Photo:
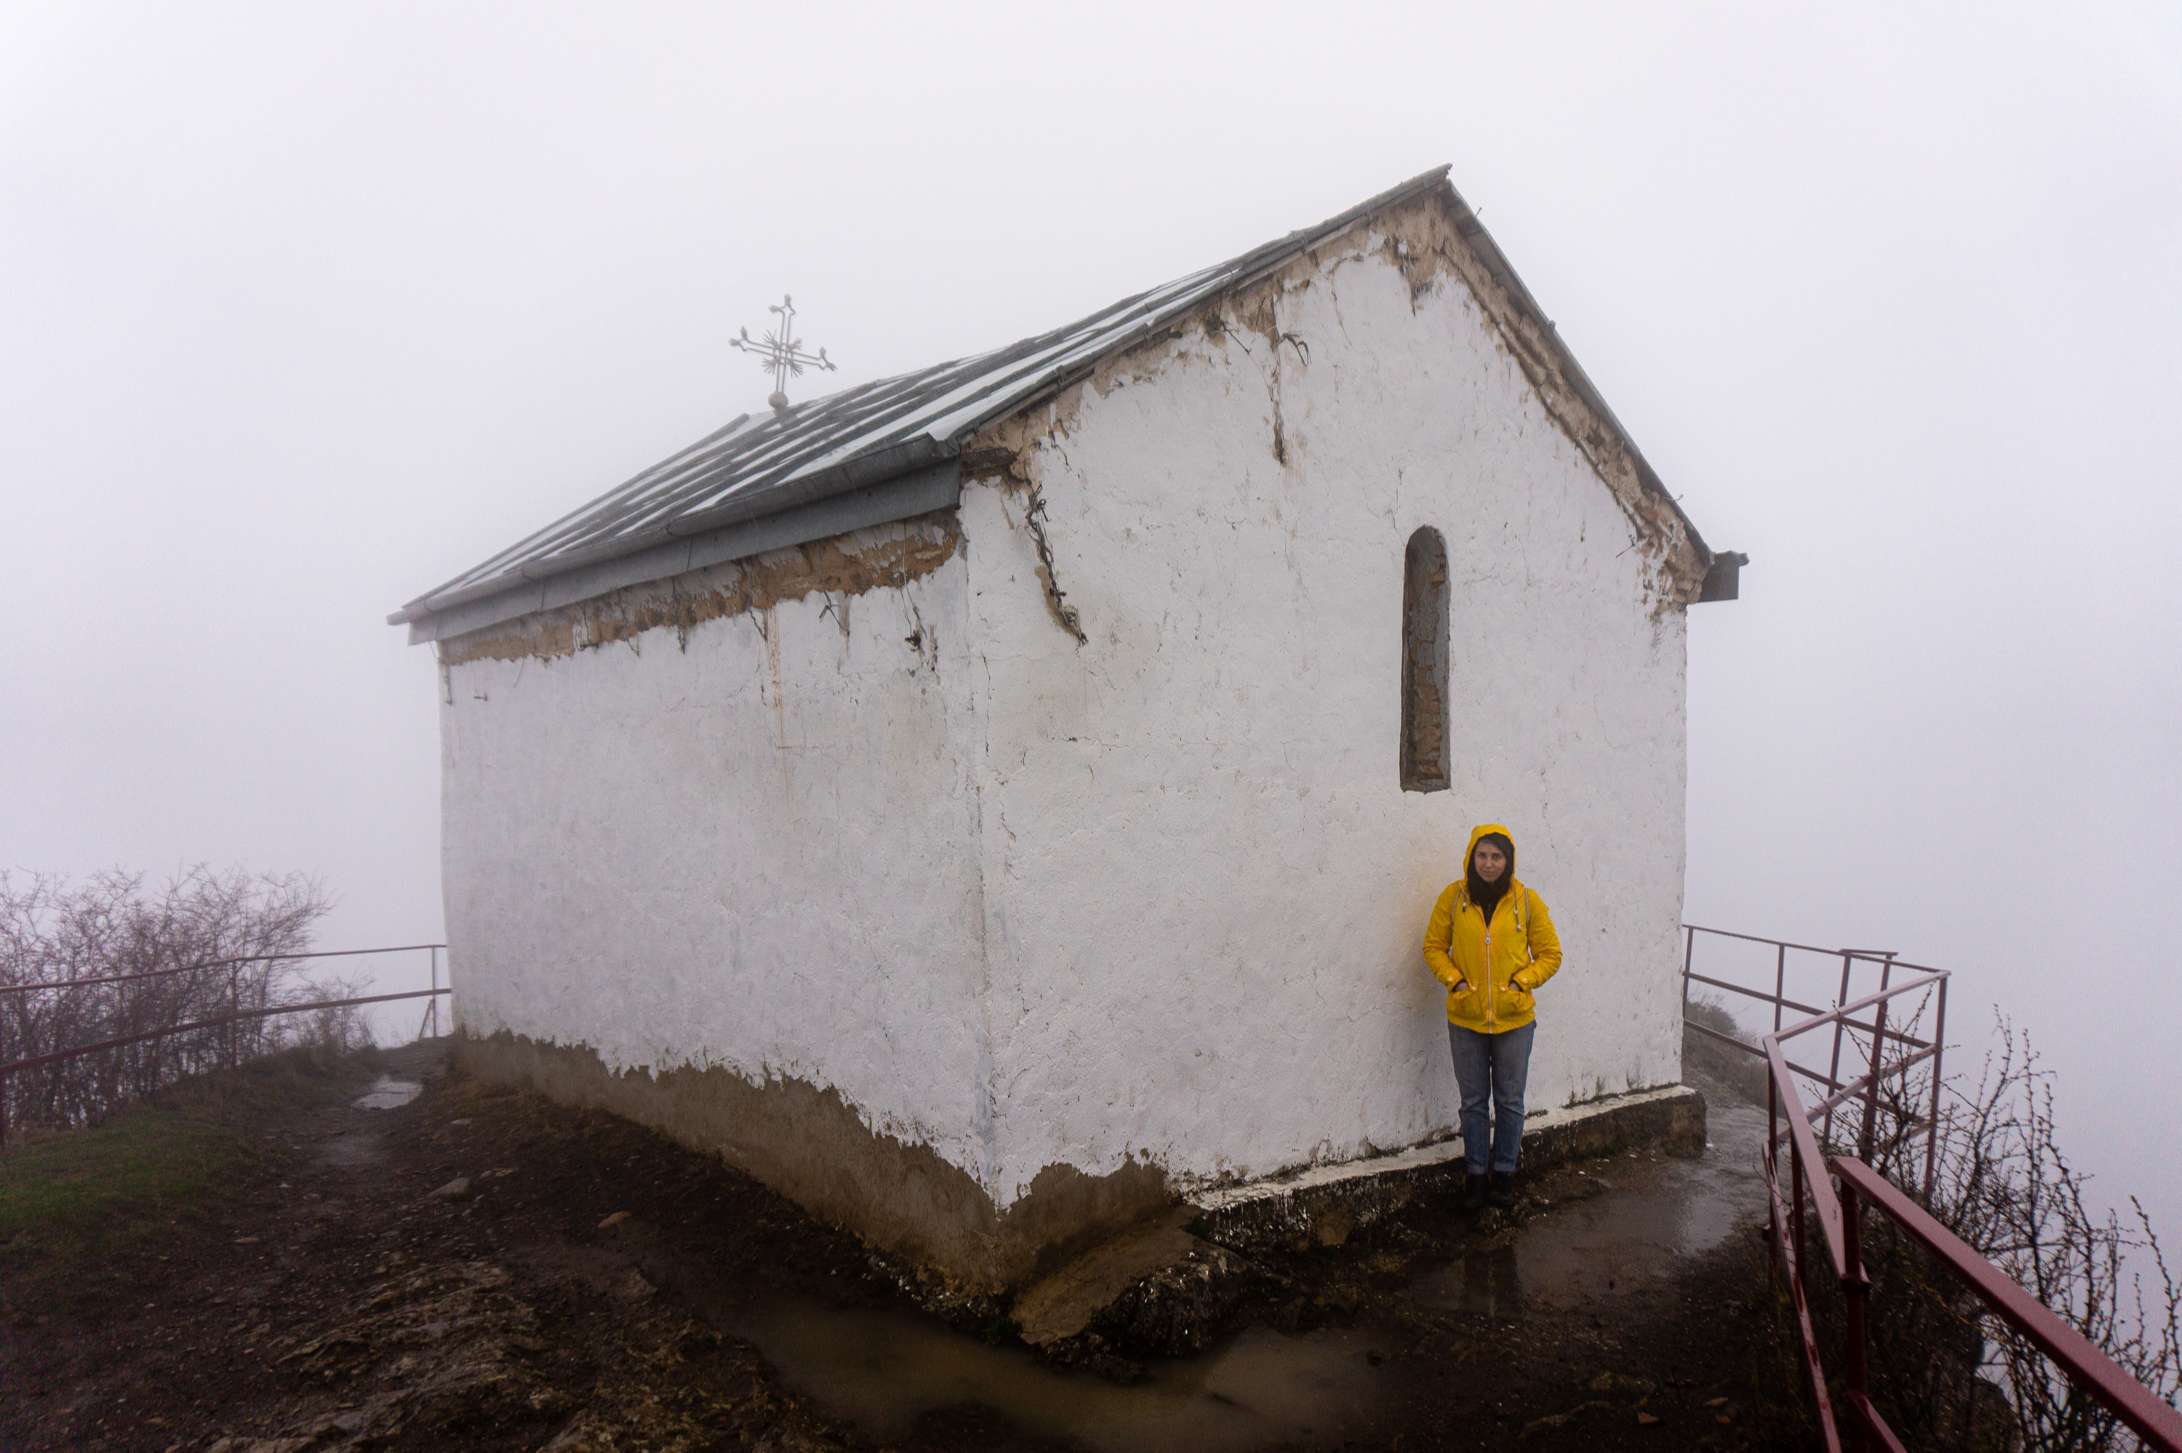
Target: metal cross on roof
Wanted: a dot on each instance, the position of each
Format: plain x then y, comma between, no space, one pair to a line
781,354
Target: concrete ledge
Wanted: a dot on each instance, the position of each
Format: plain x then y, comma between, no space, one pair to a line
1326,1204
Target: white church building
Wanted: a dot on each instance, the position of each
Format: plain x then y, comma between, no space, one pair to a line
991,802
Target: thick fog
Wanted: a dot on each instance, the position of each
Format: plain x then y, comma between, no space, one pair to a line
307,308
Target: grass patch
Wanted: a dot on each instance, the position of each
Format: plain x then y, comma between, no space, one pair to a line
77,1209
76,1203
148,1160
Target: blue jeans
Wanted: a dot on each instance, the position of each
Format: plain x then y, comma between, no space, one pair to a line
1491,1066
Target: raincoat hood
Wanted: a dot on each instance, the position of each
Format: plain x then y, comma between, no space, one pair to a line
1482,831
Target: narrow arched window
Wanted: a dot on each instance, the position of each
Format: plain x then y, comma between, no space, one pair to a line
1424,663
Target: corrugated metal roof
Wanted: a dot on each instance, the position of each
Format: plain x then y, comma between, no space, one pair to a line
760,465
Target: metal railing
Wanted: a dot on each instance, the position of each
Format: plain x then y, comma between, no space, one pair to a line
232,1021
1813,1173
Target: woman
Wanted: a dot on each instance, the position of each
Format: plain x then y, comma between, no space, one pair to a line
1491,942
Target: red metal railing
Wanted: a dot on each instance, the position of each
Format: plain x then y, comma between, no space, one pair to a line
233,964
1840,1212
230,1021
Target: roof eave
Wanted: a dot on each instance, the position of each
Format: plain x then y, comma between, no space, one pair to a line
877,467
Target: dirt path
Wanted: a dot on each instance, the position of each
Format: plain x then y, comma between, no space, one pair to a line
476,1268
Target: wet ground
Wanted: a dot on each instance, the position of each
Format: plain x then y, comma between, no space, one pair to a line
1631,1222
1589,1235
593,1286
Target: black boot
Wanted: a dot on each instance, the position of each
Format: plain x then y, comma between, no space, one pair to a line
1473,1192
1502,1193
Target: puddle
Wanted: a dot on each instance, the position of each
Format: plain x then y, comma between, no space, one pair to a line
1622,1240
388,1093
882,1369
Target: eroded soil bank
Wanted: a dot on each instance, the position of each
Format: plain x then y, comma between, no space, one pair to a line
478,1268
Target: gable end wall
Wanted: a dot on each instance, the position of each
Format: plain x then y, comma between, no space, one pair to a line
1205,888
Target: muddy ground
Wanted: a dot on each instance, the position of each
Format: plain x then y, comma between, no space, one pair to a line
477,1268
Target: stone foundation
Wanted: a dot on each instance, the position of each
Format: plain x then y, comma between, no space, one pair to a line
1325,1205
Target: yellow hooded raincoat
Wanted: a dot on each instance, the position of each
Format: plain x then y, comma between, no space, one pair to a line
1498,964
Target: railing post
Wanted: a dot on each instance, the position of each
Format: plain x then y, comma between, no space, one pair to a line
1833,1073
1855,1292
234,1014
1689,952
1869,1139
1795,1209
434,1001
1939,1063
1780,983
1772,1168
122,1081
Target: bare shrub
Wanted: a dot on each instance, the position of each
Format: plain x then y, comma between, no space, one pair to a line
234,935
1947,1372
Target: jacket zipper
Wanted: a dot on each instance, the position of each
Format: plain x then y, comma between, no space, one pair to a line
1490,1011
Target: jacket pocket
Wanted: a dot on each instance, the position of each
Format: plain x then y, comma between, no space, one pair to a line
1467,1003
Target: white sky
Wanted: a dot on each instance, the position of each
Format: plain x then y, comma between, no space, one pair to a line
308,307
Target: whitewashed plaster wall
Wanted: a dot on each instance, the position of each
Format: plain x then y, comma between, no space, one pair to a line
754,850
1159,895
1205,887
